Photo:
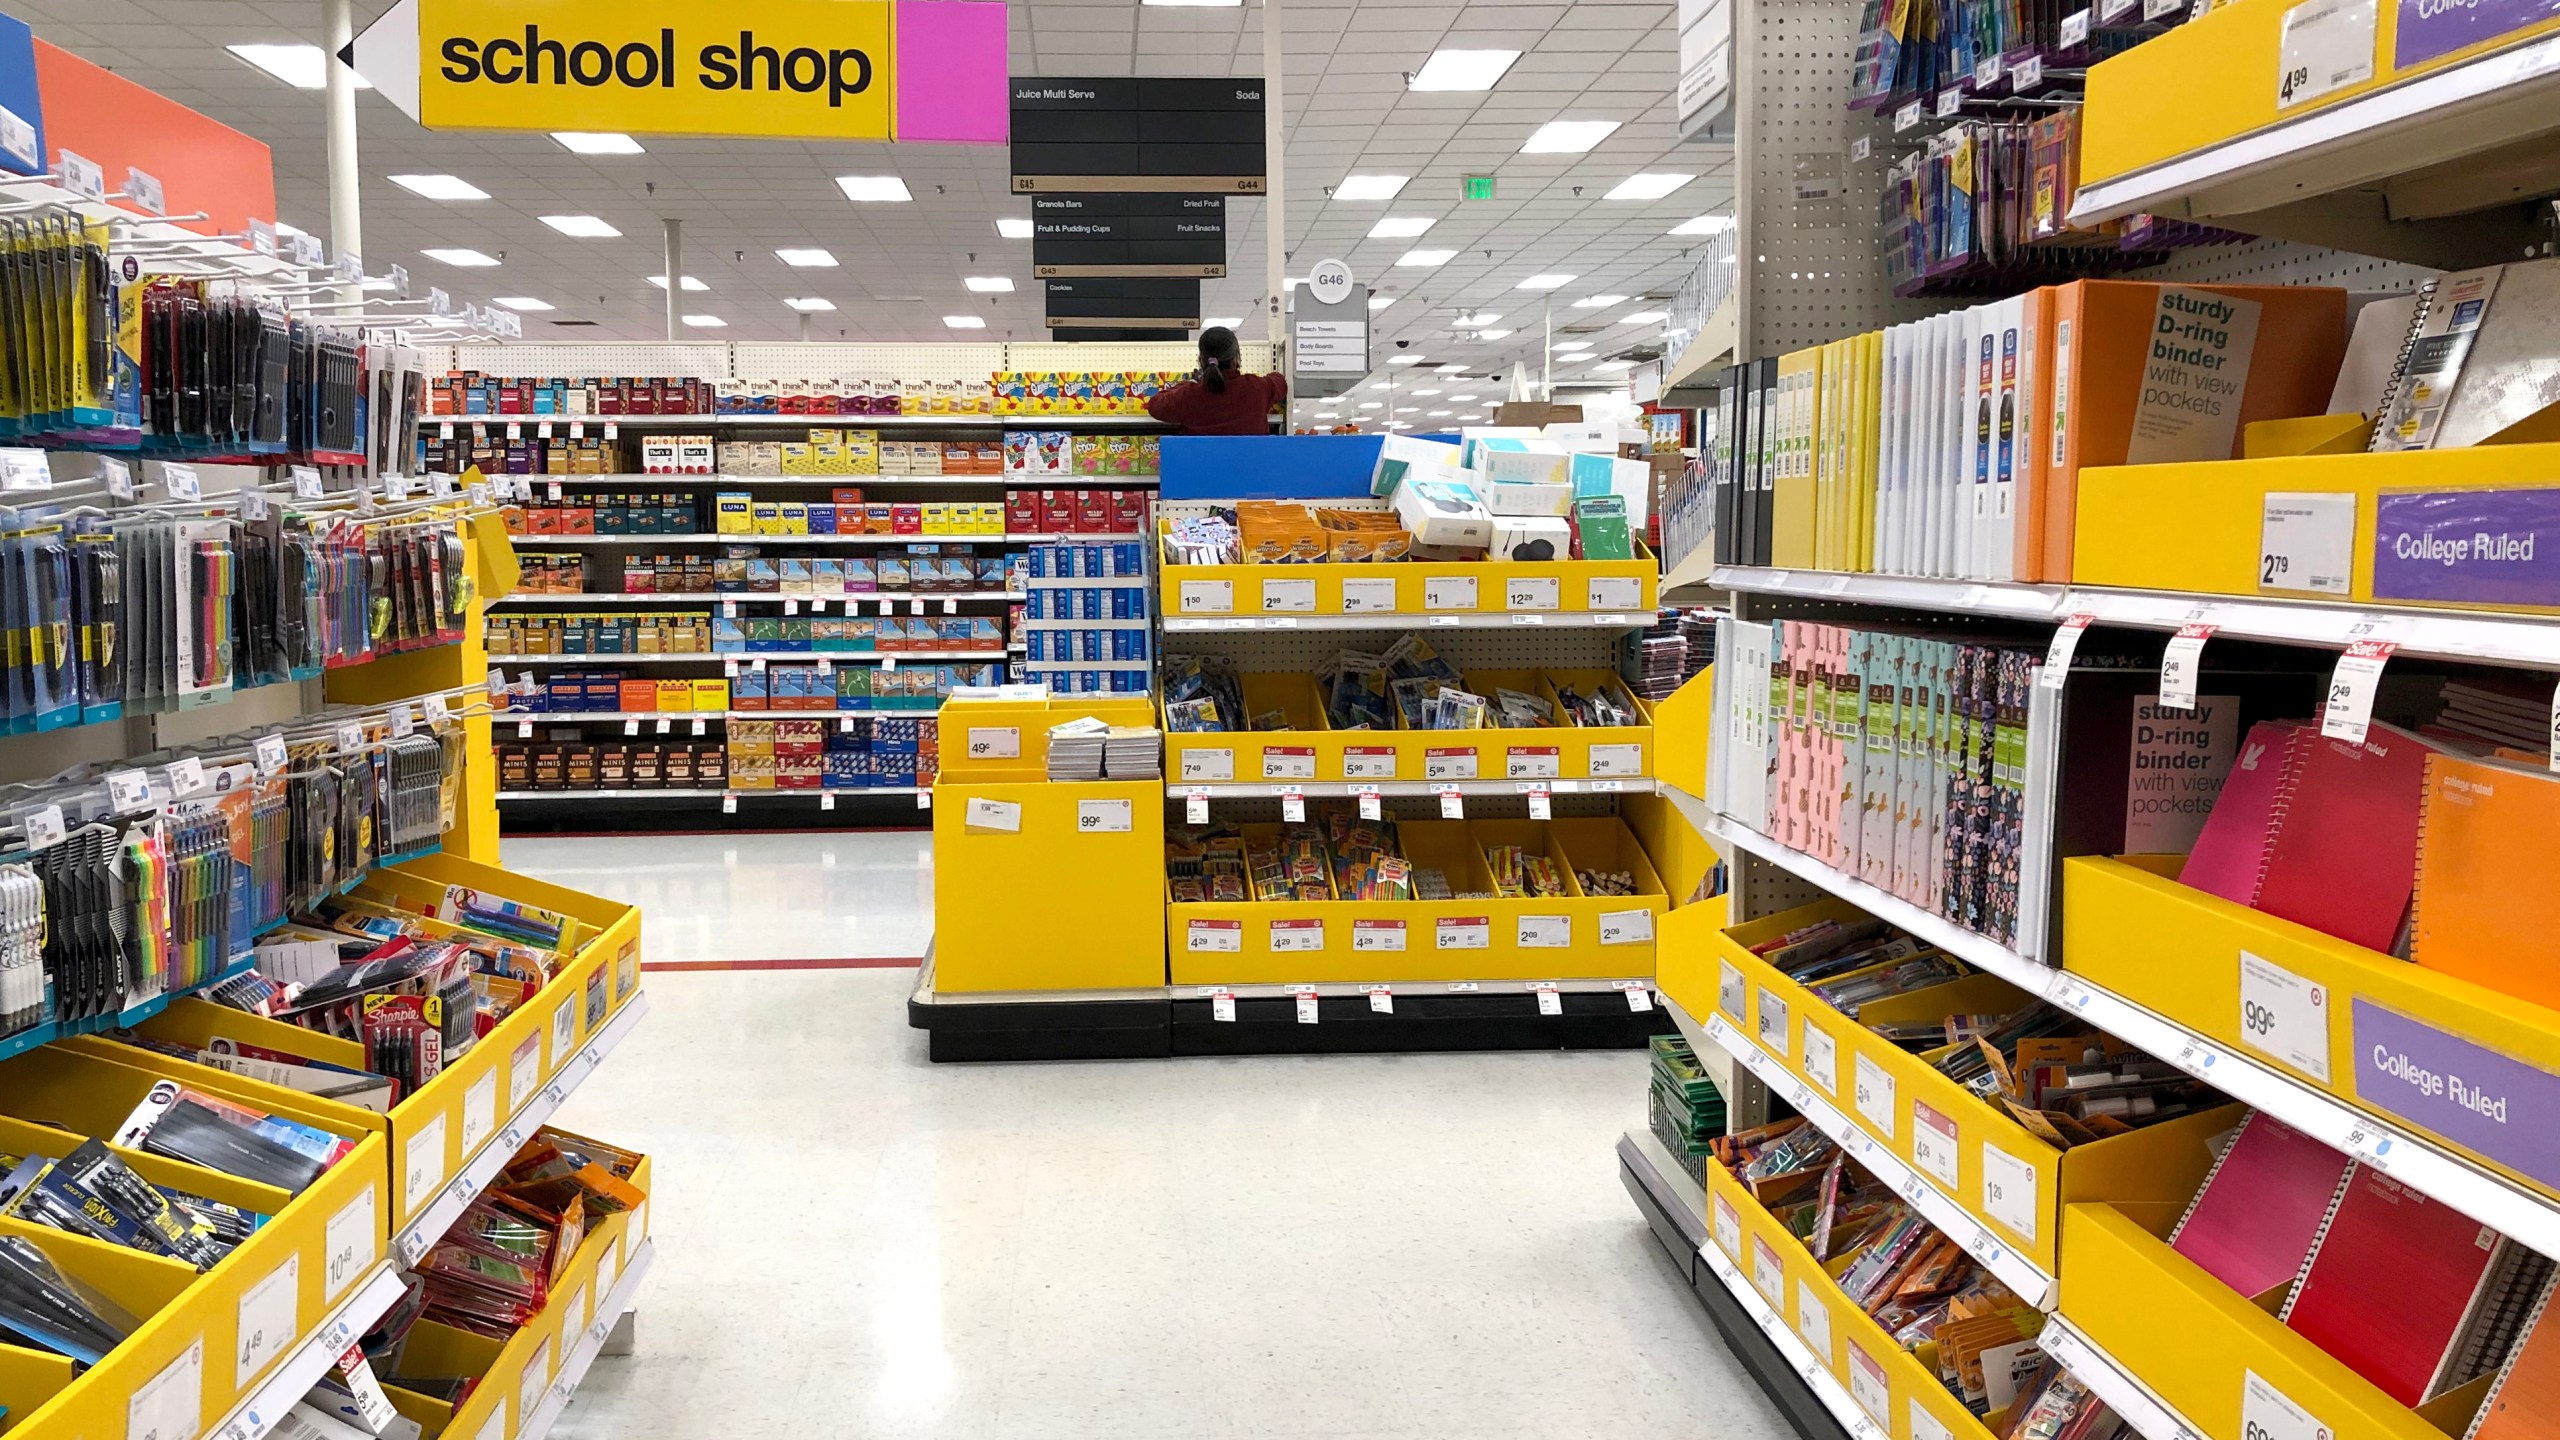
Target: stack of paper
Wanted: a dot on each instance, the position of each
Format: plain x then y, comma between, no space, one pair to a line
1133,752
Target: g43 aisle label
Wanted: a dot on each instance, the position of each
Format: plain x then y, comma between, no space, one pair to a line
804,69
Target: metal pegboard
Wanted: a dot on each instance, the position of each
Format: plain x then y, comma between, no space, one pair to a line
967,364
2284,262
678,361
1761,889
1813,270
1511,647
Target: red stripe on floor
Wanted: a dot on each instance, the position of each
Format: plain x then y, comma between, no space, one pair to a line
846,962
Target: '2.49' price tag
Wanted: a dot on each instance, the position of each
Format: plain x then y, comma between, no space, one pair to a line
2179,665
2348,713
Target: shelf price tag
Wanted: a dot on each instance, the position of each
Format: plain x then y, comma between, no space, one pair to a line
1453,805
1987,73
2179,664
1544,932
2306,543
186,777
1214,935
1539,592
2348,713
2285,1016
1950,103
2066,642
1382,1001
128,789
1288,596
2267,1413
1550,1000
1907,117
2555,729
2026,75
44,828
1540,808
1463,932
1207,597
1222,1004
119,477
1293,805
1859,149
1100,817
1626,927
1933,1144
1370,806
1377,935
1362,597
1449,592
182,482
1307,1014
1195,807
2075,29
2325,45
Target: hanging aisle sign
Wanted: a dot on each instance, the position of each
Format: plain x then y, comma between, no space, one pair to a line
790,69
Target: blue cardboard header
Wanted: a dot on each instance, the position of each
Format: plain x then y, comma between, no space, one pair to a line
1267,467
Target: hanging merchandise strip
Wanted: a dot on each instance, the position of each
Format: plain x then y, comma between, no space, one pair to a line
174,607
196,855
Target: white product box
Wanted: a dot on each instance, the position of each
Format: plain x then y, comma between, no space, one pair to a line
1441,513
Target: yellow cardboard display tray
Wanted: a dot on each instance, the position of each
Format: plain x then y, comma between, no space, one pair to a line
2369,1028
2003,1175
1900,1394
1008,740
207,1343
2197,526
1572,936
1011,858
1410,587
2218,1358
1310,750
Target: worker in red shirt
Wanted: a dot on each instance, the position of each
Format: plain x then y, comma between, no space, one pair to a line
1222,399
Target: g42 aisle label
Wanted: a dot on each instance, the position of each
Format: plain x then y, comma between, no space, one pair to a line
801,69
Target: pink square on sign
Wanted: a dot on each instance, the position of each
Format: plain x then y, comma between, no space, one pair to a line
952,72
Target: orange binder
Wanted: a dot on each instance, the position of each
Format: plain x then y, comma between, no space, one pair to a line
2106,336
2486,909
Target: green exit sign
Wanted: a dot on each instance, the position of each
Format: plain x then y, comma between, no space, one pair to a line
1479,187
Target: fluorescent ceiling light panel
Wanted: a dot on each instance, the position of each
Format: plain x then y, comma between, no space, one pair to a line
1426,259
1381,302
706,322
1462,399
868,189
1568,137
1545,282
965,322
1645,317
1369,405
596,142
1565,347
1452,369
304,67
1401,227
1219,4
1013,227
807,304
1439,414
1651,186
690,283
583,227
469,259
525,303
1596,302
811,259
990,284
1704,225
1230,321
1462,69
1369,187
440,187
1404,359
1422,390
1492,334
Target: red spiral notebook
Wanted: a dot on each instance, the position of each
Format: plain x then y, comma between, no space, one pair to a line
2409,1292
2344,856
2230,854
2252,1224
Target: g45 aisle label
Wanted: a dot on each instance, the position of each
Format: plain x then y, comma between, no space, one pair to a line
799,69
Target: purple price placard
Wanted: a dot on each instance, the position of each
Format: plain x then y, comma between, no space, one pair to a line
2489,1103
2429,28
2480,547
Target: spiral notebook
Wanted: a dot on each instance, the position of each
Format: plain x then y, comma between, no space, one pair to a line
2344,852
2483,353
2524,1402
2252,1224
2230,854
2409,1292
2486,910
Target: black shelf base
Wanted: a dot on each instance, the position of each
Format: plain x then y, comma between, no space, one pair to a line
1162,1028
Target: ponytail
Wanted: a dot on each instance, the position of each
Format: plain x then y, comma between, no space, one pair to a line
1218,355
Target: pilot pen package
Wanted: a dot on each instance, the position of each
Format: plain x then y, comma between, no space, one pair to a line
58,310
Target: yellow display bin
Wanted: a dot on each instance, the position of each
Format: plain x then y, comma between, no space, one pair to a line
1042,886
1410,587
1573,936
1008,740
2203,1348
2216,79
1309,750
2180,953
190,1361
1901,1395
2197,527
1997,1170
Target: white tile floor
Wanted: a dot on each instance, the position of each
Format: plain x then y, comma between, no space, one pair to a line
855,1242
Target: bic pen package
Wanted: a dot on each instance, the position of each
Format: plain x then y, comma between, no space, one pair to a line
90,1192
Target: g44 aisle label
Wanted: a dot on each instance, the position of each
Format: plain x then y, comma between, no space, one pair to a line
802,69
